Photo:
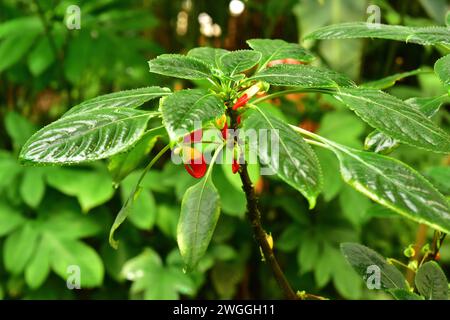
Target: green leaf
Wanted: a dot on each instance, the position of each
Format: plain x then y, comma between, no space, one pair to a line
431,281
92,188
354,205
351,30
442,69
184,109
200,210
152,280
303,76
10,219
238,61
122,164
32,187
440,177
402,294
18,128
276,49
292,160
38,269
394,185
21,26
41,57
389,81
179,66
13,48
68,252
210,56
395,118
308,254
143,212
361,258
87,136
378,142
123,99
18,248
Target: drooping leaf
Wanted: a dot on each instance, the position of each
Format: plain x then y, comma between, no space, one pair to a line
362,258
88,136
210,56
122,99
186,109
238,61
179,66
379,142
277,49
389,81
288,156
351,30
394,185
200,210
431,281
442,69
302,76
123,164
395,118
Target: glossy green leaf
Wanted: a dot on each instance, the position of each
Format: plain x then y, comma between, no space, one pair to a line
389,81
361,258
87,136
395,185
395,118
277,49
200,210
19,247
122,164
442,69
351,30
185,109
379,142
302,76
123,99
238,61
210,56
292,160
179,66
431,281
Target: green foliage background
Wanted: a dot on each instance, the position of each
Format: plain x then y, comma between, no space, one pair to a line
53,217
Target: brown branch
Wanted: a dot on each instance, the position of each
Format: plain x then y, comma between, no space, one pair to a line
255,220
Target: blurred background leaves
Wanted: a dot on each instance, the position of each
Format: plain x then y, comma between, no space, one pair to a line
53,217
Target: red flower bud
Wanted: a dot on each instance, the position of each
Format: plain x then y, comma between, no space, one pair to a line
225,131
235,166
194,136
238,119
194,162
242,101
